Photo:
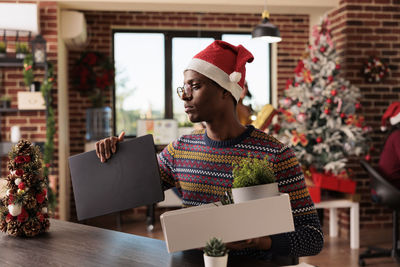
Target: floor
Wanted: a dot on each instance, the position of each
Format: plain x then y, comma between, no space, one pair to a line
336,251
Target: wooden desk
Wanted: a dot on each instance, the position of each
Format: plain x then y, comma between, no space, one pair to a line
72,244
333,205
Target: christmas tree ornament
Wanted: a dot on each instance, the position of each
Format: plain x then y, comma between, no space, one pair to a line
25,212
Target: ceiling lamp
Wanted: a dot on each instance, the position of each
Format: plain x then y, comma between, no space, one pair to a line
266,30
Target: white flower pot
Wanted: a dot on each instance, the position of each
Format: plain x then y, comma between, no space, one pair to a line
215,261
243,194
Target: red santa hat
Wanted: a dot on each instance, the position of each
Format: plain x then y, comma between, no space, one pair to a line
393,112
223,63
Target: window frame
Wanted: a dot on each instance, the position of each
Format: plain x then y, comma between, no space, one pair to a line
168,36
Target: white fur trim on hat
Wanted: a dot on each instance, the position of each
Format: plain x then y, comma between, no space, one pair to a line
235,76
395,119
216,74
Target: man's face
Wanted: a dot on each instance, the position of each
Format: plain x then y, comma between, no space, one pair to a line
204,101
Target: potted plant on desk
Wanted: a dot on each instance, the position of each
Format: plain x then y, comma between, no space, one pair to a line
5,102
3,49
215,253
252,179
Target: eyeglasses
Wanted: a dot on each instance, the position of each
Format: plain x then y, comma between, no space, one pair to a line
185,91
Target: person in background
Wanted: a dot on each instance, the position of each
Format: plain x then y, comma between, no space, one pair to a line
389,161
199,165
244,112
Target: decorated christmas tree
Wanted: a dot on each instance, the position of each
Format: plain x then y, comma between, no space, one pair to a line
23,211
317,115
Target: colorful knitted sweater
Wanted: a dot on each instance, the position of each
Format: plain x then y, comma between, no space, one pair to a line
201,170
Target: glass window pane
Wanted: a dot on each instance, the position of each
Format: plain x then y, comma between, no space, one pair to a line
183,50
257,72
139,78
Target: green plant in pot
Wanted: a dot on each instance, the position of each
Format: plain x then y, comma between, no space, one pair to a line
215,253
253,178
3,49
21,49
5,101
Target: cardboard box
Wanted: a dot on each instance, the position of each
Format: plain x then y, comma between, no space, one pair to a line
192,227
31,100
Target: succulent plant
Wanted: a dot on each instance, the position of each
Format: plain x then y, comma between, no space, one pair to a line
215,248
252,171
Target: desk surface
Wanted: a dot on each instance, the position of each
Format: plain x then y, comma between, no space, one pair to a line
72,244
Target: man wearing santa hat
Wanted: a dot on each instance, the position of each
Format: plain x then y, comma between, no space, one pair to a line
389,161
199,165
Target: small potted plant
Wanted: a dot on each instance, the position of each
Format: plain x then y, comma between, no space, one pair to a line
3,49
5,102
21,49
215,253
252,179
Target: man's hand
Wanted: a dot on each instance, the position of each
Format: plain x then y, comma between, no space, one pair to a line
262,243
108,145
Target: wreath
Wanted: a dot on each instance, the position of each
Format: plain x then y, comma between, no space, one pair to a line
375,70
94,73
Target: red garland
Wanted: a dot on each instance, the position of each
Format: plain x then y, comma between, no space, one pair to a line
94,72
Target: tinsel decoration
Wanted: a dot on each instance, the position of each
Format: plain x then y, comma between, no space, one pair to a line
23,211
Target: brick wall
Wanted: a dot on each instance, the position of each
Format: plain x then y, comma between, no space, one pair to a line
363,28
294,31
32,123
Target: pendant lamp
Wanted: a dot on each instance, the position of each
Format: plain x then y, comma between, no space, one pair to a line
266,30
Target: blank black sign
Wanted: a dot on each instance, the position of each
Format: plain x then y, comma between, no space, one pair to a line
130,178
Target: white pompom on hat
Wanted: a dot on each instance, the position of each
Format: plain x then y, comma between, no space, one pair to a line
223,63
392,113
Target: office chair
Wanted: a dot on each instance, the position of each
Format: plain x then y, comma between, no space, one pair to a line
384,193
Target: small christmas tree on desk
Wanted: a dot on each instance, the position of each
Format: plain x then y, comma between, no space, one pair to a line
317,115
24,208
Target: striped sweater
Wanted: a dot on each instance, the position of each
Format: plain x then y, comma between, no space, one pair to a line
201,170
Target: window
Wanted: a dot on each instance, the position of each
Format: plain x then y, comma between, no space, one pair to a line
150,65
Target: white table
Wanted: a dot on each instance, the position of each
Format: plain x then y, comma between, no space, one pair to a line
333,205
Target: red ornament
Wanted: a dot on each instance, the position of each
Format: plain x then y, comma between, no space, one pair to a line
23,216
368,157
9,218
338,66
315,59
19,172
19,159
322,49
21,185
40,198
40,216
319,139
358,105
326,111
296,84
27,158
333,92
299,104
330,78
329,101
342,115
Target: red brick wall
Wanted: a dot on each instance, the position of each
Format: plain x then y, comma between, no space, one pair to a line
32,123
363,28
294,31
